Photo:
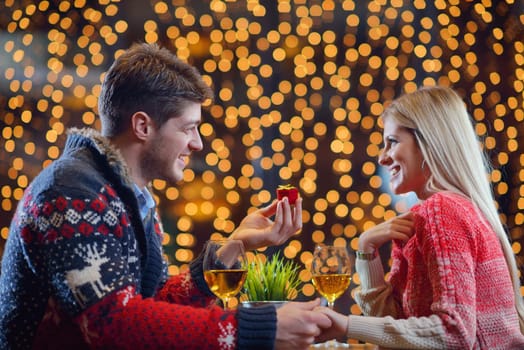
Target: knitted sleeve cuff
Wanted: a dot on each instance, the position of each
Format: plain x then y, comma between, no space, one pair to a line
257,327
369,329
371,272
196,269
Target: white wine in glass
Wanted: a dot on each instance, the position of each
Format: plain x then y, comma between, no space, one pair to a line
225,268
331,276
331,286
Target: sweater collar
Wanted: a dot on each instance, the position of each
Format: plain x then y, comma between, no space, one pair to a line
87,137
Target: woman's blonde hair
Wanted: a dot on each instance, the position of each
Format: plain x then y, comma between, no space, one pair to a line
452,151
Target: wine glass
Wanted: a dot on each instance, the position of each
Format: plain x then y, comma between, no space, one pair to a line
225,268
331,275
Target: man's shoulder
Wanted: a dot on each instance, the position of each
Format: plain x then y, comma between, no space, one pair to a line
68,173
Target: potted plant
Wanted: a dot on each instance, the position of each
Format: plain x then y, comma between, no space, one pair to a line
270,280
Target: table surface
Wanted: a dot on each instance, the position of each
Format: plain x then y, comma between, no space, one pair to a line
351,347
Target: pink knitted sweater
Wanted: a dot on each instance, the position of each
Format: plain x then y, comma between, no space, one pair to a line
449,286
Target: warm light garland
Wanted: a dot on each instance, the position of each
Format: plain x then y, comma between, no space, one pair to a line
299,88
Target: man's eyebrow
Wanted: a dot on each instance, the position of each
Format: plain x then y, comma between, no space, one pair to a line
192,122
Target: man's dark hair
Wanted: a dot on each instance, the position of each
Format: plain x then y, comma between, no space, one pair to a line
151,79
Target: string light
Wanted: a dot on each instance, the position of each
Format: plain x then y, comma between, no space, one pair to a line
299,85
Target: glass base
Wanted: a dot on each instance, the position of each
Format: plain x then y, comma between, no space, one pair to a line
252,304
331,345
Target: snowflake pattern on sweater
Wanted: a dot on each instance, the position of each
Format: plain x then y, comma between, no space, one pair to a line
227,336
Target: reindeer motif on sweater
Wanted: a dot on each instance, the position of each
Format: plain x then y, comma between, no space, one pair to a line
90,274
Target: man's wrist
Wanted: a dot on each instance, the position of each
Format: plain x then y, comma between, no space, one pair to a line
257,327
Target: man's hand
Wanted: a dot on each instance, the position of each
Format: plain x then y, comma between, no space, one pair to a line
298,325
258,230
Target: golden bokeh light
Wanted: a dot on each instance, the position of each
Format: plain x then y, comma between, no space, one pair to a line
299,89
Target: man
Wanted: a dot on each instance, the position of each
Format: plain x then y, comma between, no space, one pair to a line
83,263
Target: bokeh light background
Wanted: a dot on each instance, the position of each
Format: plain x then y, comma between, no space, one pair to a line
299,86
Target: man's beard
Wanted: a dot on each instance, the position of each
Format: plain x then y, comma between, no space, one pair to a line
154,166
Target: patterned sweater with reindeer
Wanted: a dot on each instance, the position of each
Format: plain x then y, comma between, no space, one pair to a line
82,270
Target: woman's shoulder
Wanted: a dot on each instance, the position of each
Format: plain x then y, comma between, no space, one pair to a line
449,197
446,201
453,218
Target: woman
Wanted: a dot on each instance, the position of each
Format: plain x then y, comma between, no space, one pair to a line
453,281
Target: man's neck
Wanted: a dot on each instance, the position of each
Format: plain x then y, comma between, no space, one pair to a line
130,151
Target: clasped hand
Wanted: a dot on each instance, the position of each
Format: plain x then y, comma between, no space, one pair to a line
299,324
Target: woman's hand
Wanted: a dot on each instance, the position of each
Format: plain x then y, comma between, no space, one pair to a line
258,230
400,227
339,325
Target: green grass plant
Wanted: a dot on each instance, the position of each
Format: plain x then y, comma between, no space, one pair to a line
276,279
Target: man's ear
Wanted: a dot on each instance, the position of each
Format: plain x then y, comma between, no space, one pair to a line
141,125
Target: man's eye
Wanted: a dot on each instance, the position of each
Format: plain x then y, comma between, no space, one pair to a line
192,130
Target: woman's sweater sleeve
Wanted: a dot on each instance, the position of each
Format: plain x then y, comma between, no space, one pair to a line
381,325
411,333
374,296
446,242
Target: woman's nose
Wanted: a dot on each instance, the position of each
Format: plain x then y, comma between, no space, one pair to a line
383,157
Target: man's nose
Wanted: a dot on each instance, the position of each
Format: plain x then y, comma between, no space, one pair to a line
196,143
